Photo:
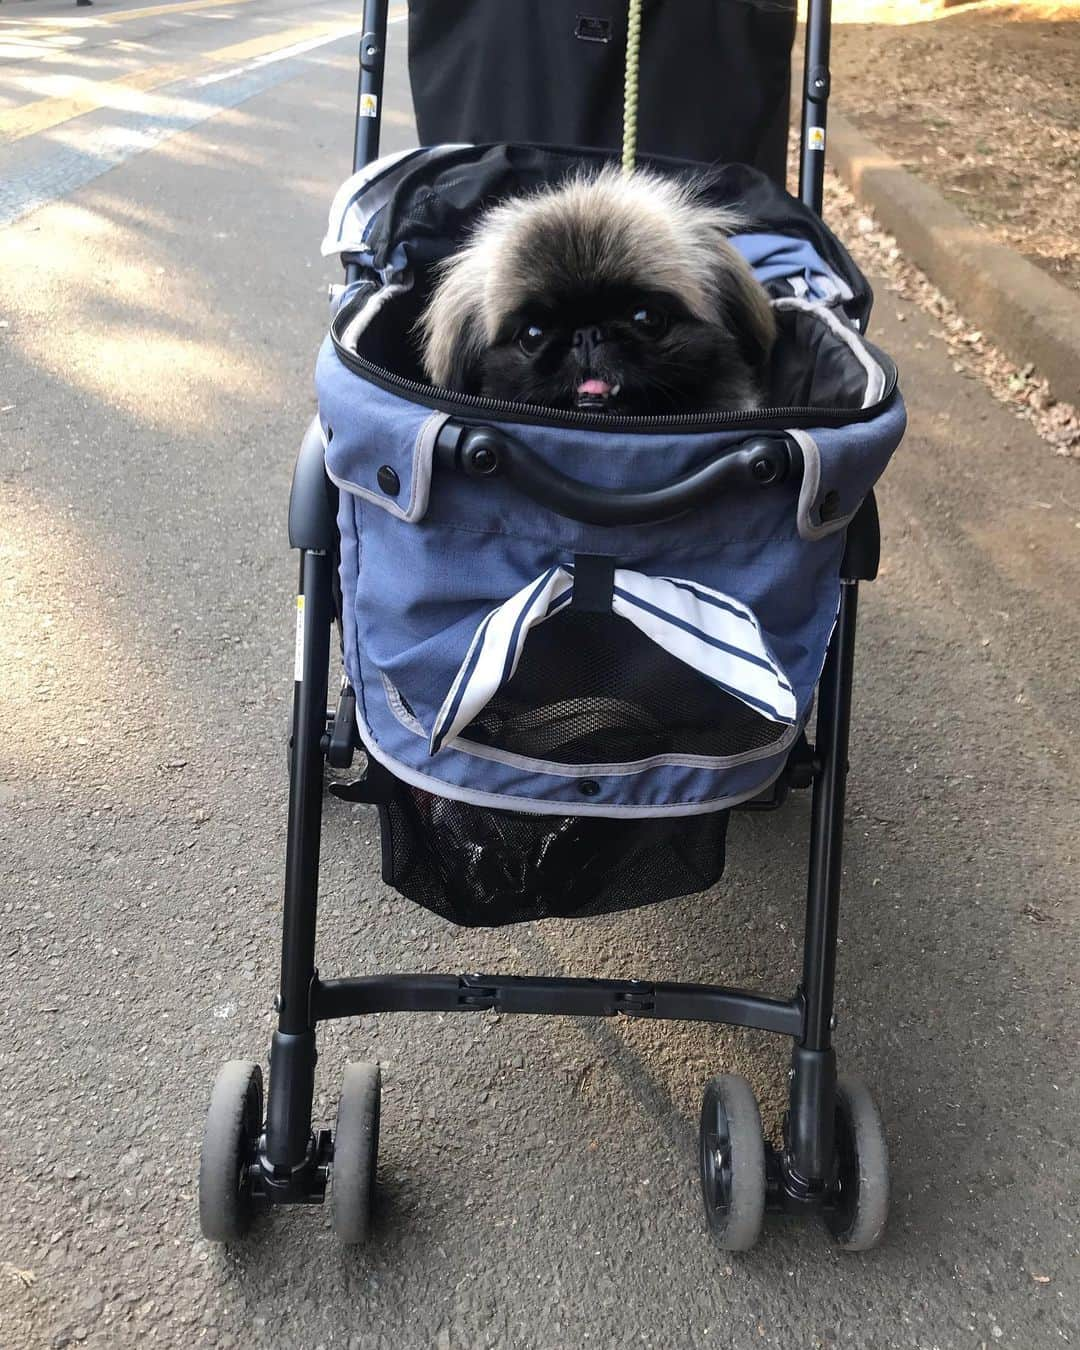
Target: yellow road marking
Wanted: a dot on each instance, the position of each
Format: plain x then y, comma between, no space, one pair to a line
28,27
88,95
272,42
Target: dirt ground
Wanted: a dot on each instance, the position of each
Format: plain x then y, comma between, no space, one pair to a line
981,99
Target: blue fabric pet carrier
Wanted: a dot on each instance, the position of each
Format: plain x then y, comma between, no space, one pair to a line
578,640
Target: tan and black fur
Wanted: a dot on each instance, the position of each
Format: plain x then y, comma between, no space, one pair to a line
606,292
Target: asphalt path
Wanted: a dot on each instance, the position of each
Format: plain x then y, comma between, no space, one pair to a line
162,298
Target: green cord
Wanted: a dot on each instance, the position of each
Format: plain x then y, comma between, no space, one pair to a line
630,87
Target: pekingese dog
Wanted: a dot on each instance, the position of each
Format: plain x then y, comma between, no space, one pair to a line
612,293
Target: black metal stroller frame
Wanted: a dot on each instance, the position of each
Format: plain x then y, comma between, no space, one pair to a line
283,1161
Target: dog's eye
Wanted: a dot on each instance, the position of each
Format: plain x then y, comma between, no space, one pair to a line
648,320
531,338
651,322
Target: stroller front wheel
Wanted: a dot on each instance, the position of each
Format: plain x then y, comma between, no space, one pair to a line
230,1141
356,1148
857,1218
732,1159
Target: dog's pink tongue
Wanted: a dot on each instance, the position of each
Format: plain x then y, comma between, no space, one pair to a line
600,388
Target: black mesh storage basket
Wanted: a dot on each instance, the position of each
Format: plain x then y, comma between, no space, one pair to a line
484,868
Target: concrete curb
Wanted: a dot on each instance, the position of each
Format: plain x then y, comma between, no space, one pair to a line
1027,313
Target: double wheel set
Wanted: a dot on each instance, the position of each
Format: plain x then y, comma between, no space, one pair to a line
234,1182
741,1174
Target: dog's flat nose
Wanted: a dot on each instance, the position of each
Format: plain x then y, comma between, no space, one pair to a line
589,337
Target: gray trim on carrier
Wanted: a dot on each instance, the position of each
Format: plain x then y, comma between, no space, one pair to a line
809,489
530,806
420,478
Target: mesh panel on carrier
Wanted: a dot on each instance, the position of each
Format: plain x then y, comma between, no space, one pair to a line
592,689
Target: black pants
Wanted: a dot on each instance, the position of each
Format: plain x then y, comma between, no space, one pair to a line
714,79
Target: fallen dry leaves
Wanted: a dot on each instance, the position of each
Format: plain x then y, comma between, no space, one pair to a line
1022,388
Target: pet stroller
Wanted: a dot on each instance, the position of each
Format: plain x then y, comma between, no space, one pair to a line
565,669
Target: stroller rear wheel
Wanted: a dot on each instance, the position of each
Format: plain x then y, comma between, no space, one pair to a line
732,1158
230,1141
857,1218
356,1148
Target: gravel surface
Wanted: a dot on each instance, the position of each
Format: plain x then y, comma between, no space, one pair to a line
537,1177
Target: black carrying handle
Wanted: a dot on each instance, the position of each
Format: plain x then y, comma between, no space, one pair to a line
482,452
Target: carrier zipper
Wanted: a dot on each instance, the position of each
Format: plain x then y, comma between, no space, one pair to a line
465,405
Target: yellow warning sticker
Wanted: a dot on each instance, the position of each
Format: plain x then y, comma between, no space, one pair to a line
815,138
369,105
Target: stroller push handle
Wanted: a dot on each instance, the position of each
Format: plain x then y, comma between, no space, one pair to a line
481,452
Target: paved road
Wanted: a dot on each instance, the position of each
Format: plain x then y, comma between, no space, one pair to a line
161,309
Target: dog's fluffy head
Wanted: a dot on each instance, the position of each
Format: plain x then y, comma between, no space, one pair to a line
607,291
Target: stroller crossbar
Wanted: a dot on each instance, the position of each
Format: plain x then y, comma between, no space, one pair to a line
545,996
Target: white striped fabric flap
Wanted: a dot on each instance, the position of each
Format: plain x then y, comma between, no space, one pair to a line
705,629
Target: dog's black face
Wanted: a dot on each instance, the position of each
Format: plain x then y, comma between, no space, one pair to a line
619,349
605,292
